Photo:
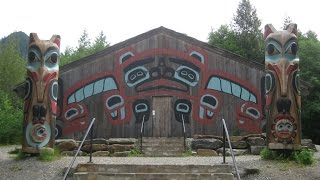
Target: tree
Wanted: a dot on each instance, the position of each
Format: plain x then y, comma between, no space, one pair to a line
84,48
309,48
12,72
246,26
243,36
84,42
286,22
225,38
100,42
12,66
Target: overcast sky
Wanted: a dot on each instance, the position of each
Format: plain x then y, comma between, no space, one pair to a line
123,19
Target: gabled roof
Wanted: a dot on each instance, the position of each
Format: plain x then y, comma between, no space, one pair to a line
169,32
305,86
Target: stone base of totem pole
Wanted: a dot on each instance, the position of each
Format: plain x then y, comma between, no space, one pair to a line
284,146
31,150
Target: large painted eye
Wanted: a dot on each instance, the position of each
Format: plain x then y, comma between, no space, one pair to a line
114,101
53,58
293,49
136,76
272,50
187,75
31,56
296,82
28,89
269,82
54,90
71,113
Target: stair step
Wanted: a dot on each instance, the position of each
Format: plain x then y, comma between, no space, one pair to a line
162,176
151,168
162,146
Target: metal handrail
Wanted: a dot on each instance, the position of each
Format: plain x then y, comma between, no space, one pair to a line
141,132
75,156
184,134
225,133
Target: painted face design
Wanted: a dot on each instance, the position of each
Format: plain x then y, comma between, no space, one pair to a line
284,130
143,76
141,110
75,117
282,83
182,110
41,92
249,117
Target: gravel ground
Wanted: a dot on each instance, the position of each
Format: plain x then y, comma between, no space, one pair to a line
34,169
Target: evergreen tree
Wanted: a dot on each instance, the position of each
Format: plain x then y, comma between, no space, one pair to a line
12,72
225,38
246,26
100,42
243,36
84,48
286,22
12,66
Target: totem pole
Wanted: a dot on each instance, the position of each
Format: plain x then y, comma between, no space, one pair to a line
41,92
283,100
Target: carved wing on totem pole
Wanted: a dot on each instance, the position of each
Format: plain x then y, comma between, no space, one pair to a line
282,83
41,94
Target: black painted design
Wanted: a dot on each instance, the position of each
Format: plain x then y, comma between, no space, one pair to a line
141,107
28,89
182,107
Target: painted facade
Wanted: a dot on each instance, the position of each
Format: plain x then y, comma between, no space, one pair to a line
163,77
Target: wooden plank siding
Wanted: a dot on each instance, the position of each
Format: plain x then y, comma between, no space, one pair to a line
167,52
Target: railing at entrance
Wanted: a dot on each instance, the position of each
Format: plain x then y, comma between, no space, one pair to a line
226,134
184,134
75,156
141,133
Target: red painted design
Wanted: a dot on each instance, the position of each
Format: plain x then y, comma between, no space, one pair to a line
54,107
77,121
249,117
128,99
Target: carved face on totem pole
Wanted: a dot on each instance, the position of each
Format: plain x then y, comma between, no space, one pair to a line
41,93
283,100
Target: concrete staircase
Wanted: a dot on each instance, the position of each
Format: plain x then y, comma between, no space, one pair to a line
91,171
162,146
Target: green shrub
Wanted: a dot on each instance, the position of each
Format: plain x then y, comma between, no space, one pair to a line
267,154
21,155
187,153
305,157
11,117
48,154
135,152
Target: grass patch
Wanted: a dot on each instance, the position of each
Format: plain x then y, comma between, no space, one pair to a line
135,152
187,153
14,151
48,154
303,157
21,155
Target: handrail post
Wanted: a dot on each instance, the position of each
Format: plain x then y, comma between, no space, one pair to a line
230,147
75,156
224,145
141,132
184,134
91,136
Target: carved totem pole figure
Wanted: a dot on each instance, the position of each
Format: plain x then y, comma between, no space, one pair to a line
40,106
283,100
